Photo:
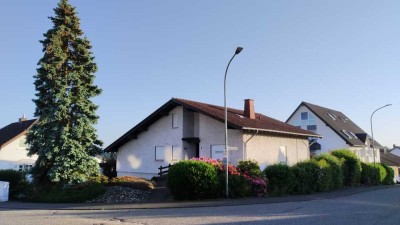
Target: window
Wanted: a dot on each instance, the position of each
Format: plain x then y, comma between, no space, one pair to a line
24,167
312,127
304,116
332,116
175,120
160,153
347,134
353,134
176,153
282,154
22,143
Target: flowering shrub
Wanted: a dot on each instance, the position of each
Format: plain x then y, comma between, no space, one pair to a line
241,183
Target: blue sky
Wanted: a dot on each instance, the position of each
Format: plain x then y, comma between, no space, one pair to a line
340,54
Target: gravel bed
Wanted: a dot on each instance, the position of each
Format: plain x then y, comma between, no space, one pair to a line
118,194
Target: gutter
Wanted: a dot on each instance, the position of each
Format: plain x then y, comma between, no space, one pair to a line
282,132
245,144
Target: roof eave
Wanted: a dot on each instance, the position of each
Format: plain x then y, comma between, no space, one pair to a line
283,132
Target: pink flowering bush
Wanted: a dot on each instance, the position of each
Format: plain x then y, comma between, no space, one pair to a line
241,183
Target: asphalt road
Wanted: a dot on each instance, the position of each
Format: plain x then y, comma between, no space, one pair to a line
372,207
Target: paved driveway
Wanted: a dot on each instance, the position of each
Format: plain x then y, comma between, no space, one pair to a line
373,207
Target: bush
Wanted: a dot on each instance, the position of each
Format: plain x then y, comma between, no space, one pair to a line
382,172
351,166
389,179
101,179
280,179
369,174
306,177
335,169
72,194
326,179
132,182
19,186
191,179
250,167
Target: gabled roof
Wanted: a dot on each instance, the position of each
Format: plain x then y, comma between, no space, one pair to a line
13,131
339,123
236,120
390,159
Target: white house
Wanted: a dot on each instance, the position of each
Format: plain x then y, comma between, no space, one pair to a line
183,129
13,149
337,130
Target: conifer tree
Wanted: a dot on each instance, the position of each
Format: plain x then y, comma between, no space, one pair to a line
64,137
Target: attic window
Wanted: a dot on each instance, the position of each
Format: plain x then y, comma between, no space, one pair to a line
354,135
332,116
304,116
349,136
241,116
344,119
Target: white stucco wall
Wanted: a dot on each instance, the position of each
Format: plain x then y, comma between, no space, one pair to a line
137,157
212,132
266,149
11,155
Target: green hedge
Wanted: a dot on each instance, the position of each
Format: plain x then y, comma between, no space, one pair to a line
280,179
192,179
389,179
335,170
382,172
306,177
326,179
369,174
351,166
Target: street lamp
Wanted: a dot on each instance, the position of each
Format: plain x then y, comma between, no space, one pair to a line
226,152
372,132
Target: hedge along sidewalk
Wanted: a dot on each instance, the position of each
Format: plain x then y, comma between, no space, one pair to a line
195,204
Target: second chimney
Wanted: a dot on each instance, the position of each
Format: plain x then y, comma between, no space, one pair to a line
249,108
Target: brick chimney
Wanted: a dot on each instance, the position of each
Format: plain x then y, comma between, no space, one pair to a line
249,109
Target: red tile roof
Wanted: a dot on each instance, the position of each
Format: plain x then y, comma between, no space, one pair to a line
236,120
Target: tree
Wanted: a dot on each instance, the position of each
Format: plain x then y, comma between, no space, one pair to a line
64,137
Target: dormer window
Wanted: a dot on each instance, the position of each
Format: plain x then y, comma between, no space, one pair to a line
349,136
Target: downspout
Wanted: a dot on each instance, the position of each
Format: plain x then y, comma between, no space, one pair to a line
245,144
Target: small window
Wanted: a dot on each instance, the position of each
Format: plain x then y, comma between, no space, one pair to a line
24,167
22,143
353,134
312,127
175,120
159,153
332,116
176,153
282,154
304,116
347,134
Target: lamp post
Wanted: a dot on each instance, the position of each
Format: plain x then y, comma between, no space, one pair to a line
226,152
372,131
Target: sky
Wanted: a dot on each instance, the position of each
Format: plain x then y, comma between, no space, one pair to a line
340,54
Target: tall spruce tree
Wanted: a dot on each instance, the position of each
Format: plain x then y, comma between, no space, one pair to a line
64,137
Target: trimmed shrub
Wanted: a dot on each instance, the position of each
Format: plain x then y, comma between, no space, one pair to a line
326,179
280,179
72,194
250,167
101,179
351,166
382,172
369,174
335,169
132,182
306,177
18,183
389,179
191,179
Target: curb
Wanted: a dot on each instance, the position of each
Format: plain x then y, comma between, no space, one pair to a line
191,204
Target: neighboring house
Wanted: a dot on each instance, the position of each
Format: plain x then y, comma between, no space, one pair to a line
392,160
13,149
337,130
395,150
182,129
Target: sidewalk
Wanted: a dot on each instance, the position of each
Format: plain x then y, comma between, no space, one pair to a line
189,204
